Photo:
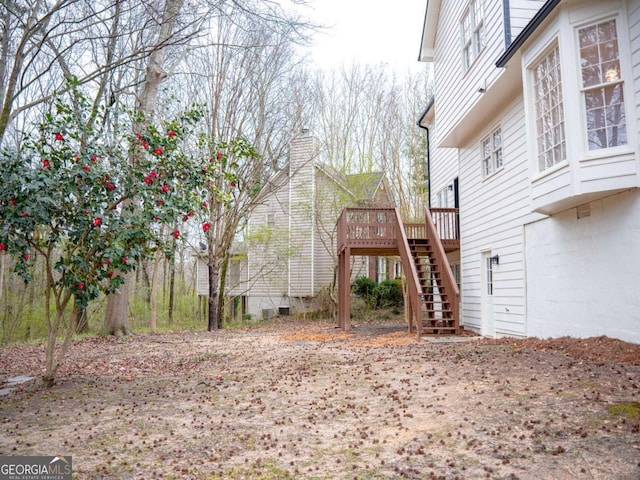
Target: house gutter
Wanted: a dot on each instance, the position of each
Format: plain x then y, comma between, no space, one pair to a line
426,129
527,31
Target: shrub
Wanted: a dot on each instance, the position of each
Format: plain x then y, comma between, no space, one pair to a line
363,287
389,294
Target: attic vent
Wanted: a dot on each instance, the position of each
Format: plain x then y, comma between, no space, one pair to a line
583,211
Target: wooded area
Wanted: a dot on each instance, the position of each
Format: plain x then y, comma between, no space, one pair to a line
218,86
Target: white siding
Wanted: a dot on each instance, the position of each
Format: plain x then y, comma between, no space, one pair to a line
492,212
444,164
301,218
521,12
456,90
268,247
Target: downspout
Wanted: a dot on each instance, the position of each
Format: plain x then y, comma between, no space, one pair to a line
426,129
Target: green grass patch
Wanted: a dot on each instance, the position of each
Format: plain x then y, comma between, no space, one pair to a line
630,410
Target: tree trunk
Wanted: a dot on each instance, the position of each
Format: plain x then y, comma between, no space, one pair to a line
154,293
222,280
117,305
81,321
172,283
117,309
214,323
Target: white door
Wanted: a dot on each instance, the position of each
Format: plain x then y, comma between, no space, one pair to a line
486,296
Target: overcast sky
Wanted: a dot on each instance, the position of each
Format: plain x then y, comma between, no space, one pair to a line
369,31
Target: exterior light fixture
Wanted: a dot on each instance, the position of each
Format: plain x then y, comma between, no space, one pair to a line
495,260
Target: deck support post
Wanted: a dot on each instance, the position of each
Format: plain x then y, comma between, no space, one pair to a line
344,289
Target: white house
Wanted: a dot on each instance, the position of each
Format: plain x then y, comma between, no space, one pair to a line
289,256
534,136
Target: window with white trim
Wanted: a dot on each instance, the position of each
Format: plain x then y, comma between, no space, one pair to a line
549,111
441,198
489,277
271,220
602,85
491,152
472,27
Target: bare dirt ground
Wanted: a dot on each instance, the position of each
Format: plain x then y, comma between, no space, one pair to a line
302,400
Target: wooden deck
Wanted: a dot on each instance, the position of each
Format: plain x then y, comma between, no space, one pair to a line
422,249
374,231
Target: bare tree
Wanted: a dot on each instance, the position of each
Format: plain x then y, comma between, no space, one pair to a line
365,118
256,88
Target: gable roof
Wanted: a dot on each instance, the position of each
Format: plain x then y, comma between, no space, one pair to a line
371,182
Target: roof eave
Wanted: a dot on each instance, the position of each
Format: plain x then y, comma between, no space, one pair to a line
527,31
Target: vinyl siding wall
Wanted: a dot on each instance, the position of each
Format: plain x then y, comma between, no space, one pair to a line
521,12
443,168
267,258
302,268
492,213
456,90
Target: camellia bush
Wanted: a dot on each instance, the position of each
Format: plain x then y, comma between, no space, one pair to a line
92,206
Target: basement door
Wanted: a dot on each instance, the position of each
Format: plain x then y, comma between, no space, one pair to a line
486,297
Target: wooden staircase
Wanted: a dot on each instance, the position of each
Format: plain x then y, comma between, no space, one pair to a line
436,313
433,297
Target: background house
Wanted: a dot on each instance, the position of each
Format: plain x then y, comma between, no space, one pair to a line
289,254
534,128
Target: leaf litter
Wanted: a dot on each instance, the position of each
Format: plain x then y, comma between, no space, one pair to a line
301,399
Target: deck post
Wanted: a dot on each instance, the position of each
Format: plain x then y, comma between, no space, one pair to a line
344,289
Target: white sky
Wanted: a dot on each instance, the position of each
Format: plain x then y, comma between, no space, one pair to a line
368,31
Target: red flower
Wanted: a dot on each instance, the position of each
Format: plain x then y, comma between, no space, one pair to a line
124,260
219,155
110,186
160,202
76,158
232,184
153,174
26,256
2,247
59,137
158,151
145,144
80,285
171,134
205,204
176,233
85,168
111,274
139,136
13,201
165,188
94,159
46,163
206,226
148,180
85,211
97,221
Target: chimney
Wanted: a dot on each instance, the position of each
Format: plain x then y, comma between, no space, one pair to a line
303,149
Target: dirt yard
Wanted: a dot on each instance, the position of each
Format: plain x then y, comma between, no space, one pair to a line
297,400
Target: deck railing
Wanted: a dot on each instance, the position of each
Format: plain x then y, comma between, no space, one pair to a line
367,227
445,220
380,231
